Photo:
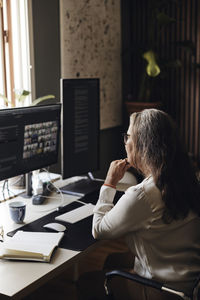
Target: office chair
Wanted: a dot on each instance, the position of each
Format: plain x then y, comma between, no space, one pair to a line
195,295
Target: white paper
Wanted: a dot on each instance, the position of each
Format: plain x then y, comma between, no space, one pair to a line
45,176
38,242
77,214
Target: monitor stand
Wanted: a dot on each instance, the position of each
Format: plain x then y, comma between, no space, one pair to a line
28,182
83,186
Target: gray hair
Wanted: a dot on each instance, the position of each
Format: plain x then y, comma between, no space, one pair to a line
158,151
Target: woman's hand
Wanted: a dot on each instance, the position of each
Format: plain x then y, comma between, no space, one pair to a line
116,171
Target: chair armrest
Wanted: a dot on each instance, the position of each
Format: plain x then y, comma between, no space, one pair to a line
141,280
134,277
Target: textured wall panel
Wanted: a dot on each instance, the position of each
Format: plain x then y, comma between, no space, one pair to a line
91,47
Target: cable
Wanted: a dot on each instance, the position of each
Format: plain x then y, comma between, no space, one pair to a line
17,180
3,190
59,191
49,197
7,186
9,191
58,207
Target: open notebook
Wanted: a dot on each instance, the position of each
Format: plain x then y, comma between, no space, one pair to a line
26,245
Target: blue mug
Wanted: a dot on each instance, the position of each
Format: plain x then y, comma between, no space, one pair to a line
17,211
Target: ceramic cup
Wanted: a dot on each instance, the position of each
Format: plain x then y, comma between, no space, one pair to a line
17,211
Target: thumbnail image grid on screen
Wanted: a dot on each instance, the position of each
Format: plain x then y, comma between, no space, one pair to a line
29,139
40,138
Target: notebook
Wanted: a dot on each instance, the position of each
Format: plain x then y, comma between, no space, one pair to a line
34,246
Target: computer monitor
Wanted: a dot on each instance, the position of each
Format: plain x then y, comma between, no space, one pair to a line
80,127
29,139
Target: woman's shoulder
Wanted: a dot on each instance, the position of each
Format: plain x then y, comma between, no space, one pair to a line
147,185
148,191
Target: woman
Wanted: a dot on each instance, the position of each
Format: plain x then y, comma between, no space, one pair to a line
160,216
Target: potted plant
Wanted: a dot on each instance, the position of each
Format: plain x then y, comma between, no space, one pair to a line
154,65
21,96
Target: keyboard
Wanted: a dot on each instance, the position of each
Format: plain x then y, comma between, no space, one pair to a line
77,214
82,187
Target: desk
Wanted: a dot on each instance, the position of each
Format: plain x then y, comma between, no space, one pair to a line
18,279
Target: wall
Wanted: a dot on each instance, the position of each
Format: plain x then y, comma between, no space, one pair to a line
90,47
46,40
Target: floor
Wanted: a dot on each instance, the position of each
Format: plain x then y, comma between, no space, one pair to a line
63,286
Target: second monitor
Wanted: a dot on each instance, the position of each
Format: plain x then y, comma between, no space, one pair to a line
80,132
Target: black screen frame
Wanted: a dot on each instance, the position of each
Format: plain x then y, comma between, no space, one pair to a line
75,162
13,163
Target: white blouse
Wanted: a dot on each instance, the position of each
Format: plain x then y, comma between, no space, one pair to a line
166,252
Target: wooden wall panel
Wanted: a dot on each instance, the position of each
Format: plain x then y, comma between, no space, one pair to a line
179,91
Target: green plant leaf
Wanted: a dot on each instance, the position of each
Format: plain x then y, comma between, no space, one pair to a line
21,95
196,65
187,45
162,4
5,99
164,20
41,99
152,68
173,64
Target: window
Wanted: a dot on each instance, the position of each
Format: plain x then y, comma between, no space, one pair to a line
14,52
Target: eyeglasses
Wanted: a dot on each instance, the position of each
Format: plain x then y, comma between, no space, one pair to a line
126,137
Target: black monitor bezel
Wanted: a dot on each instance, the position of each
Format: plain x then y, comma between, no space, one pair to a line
71,171
48,162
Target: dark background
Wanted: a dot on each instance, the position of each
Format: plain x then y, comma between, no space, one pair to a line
180,91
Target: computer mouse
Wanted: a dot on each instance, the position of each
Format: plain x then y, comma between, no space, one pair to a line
55,226
38,199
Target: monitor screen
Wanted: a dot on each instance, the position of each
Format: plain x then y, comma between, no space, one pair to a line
80,126
29,139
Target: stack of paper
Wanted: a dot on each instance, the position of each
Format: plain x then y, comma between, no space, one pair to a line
25,245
